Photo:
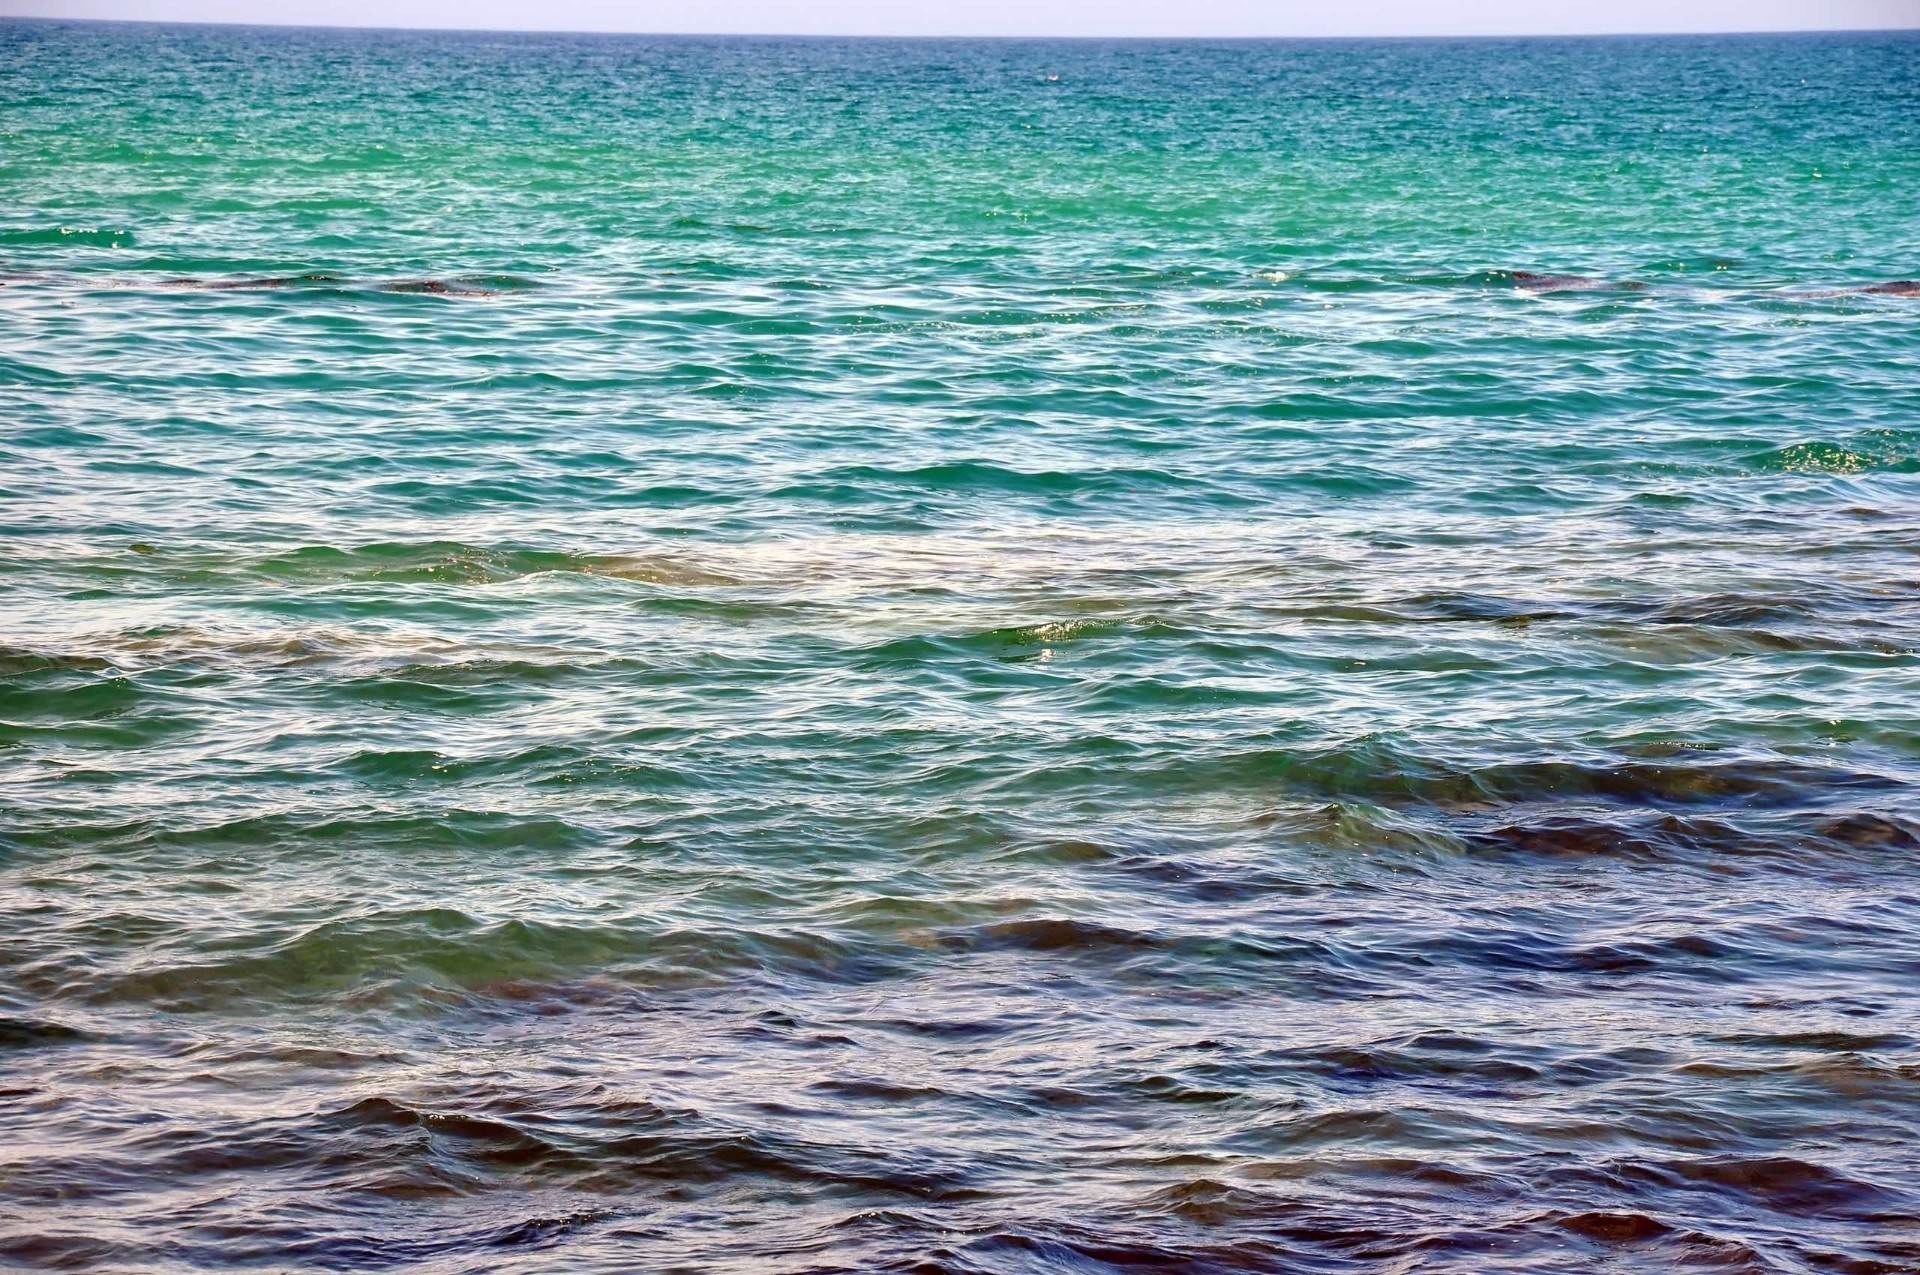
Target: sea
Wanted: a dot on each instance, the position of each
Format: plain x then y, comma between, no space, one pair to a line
958,657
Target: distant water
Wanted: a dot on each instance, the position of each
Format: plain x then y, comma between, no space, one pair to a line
799,656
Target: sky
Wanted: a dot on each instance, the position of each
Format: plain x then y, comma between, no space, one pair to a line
1023,17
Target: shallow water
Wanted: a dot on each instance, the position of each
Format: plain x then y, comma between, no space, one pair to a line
676,655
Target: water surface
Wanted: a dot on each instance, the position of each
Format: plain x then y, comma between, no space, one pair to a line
797,656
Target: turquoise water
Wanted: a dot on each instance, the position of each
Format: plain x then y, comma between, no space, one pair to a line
772,655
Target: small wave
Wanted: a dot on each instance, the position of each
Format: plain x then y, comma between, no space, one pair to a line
256,283
182,645
1677,837
1614,1228
68,236
1835,458
1823,1041
321,280
444,957
879,1091
1376,771
973,475
31,1033
1788,1184
1014,644
455,562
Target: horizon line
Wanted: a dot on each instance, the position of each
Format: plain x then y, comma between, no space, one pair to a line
957,36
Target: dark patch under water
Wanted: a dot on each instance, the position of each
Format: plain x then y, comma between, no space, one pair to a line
489,285
469,287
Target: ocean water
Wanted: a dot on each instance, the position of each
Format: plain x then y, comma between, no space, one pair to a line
678,655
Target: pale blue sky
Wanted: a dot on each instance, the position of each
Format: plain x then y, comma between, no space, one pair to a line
1024,17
